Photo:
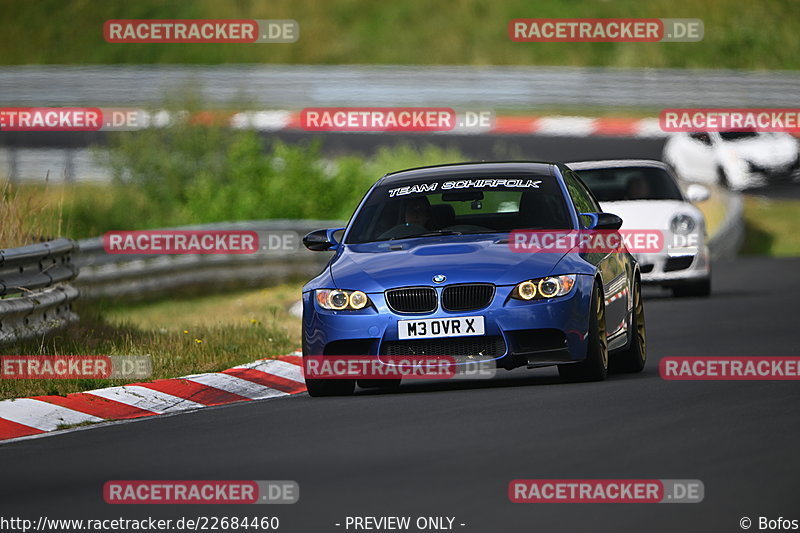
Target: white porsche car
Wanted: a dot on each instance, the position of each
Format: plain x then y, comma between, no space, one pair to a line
737,160
646,195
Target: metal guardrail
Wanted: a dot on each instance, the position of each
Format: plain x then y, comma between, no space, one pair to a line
104,275
34,295
287,86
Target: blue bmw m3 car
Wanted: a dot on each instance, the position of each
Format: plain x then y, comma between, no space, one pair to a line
425,268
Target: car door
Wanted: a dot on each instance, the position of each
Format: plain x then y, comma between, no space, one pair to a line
611,264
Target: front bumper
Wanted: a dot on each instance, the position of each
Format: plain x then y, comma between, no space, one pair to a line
518,333
677,265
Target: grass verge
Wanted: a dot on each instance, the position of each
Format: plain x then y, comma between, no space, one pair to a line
772,227
752,35
714,210
212,334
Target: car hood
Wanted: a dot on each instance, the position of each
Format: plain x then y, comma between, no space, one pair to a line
375,267
650,214
765,152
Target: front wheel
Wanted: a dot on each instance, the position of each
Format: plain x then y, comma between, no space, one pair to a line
330,387
595,366
635,355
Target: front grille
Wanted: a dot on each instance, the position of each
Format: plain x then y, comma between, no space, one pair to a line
453,346
412,300
467,297
678,263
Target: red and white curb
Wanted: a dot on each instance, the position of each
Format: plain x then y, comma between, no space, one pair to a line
616,296
266,378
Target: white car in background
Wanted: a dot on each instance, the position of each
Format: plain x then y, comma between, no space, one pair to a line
646,195
737,160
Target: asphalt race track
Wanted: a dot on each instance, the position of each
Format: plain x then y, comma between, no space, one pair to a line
450,449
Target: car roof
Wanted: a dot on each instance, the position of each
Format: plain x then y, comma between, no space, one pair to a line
615,163
482,168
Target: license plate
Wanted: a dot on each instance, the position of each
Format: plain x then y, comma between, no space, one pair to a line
440,327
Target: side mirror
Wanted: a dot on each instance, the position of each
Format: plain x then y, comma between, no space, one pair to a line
321,240
697,193
603,221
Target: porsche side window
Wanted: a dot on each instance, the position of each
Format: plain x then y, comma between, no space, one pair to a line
701,137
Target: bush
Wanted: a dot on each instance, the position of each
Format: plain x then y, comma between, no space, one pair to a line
187,173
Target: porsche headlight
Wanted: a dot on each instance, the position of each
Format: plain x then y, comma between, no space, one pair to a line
339,300
544,288
682,224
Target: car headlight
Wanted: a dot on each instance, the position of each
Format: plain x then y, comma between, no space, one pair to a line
339,300
682,224
544,288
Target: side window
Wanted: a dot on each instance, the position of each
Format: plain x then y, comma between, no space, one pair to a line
581,197
701,137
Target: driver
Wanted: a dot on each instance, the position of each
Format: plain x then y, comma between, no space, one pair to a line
417,212
637,189
415,215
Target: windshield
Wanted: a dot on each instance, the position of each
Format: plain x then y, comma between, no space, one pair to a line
737,135
460,206
631,183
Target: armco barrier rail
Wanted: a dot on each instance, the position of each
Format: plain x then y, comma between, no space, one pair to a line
296,87
104,275
34,295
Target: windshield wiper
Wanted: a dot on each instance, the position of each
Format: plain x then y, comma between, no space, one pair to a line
428,234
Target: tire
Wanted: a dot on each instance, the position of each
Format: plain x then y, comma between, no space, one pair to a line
330,387
722,178
595,366
697,289
634,357
383,384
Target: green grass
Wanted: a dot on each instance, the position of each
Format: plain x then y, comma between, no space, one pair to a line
752,35
182,336
28,215
714,210
772,227
201,175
